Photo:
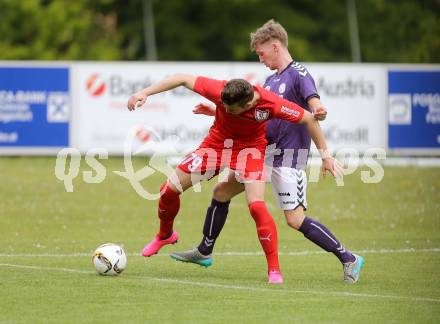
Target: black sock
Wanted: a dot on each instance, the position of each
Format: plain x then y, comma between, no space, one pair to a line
321,236
214,221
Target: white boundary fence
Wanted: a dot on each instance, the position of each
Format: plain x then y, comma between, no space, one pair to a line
46,106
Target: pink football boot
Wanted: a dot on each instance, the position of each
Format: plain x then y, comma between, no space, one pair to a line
275,277
156,244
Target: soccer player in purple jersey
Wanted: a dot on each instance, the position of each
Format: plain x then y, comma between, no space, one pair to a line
285,164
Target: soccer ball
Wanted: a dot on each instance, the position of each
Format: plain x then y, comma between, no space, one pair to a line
109,259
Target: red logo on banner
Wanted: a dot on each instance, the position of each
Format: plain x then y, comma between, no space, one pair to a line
143,135
95,85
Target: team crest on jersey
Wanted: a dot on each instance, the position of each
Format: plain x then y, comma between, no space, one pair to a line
261,115
282,88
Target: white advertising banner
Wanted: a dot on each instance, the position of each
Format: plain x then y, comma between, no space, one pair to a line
354,95
164,124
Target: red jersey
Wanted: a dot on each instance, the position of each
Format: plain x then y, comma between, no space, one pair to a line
247,129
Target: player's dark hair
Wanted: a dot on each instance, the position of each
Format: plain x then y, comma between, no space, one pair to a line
237,91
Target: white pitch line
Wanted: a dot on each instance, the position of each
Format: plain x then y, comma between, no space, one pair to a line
232,253
366,251
31,267
234,287
314,292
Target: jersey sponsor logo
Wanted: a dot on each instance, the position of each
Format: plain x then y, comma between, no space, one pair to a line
301,69
289,111
261,115
284,194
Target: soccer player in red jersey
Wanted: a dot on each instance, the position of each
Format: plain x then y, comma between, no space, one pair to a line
239,131
286,164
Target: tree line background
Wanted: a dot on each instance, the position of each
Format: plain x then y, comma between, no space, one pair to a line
398,31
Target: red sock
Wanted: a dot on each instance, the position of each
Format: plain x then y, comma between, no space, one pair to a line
169,204
267,233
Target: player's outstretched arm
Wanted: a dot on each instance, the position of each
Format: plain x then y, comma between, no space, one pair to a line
174,81
328,163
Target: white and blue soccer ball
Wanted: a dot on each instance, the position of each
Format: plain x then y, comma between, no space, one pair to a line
109,259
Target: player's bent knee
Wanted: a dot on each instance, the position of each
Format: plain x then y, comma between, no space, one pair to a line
180,181
220,192
295,217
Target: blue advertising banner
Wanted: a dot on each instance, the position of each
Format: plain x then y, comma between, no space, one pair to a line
34,107
414,110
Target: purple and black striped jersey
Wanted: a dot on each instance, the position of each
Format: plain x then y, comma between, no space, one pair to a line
295,84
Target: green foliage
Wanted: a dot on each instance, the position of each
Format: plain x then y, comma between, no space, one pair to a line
400,31
57,30
217,30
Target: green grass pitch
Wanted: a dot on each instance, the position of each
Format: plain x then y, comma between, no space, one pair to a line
47,235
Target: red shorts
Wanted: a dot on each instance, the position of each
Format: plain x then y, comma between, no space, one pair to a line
208,162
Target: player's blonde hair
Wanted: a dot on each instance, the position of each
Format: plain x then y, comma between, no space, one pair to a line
270,30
